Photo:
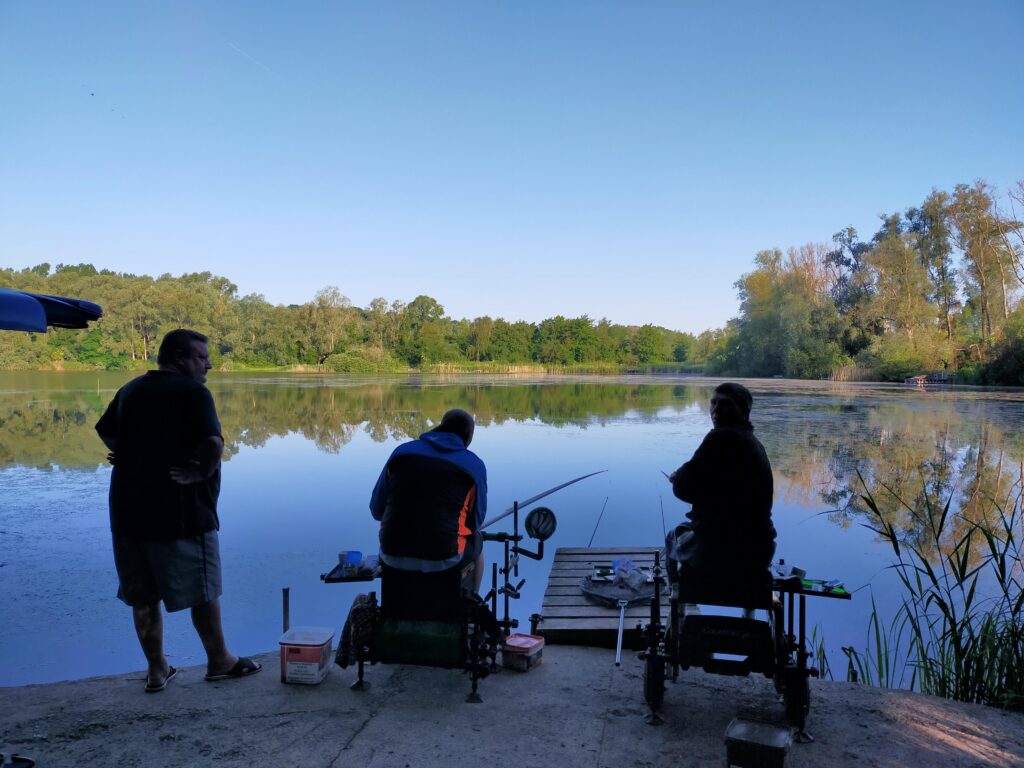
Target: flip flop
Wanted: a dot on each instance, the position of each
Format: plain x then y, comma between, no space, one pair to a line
154,688
242,668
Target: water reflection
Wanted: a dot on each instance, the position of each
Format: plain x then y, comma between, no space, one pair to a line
303,452
904,444
48,420
964,457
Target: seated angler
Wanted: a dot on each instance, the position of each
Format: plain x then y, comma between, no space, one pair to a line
431,499
728,541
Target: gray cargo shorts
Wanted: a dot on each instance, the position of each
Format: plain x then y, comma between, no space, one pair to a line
183,573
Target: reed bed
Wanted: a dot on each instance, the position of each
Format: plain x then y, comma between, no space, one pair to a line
958,632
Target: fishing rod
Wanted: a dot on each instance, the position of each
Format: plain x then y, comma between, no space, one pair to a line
540,528
522,504
598,522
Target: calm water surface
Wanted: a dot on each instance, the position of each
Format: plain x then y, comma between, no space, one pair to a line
303,453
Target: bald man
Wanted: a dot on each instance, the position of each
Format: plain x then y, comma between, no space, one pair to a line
431,499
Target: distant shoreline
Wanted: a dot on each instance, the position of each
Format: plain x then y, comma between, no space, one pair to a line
665,371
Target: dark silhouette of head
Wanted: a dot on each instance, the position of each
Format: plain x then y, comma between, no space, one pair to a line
730,404
186,352
458,422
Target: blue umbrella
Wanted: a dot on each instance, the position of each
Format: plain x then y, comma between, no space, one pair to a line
20,311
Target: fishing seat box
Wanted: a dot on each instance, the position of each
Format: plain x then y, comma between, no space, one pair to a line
305,654
522,652
422,619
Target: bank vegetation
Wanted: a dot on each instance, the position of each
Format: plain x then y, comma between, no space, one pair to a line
936,289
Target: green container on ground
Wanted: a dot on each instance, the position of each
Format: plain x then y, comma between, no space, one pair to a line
750,744
427,643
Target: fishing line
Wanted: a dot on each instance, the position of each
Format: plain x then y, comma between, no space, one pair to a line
819,514
598,522
664,533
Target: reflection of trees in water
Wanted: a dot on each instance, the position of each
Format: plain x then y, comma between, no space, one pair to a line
56,431
914,461
817,441
330,415
328,412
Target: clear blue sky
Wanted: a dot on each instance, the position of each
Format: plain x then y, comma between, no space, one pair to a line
517,159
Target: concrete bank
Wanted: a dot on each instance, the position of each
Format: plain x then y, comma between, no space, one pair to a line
575,710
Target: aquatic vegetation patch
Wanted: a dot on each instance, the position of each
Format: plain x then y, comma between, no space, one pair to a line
958,631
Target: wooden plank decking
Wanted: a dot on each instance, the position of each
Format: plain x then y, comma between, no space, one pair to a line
569,618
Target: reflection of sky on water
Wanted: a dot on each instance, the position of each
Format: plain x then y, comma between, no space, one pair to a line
287,508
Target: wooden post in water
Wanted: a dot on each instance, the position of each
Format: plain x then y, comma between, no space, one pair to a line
286,618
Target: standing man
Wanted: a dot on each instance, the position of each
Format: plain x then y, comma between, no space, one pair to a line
431,499
729,537
165,442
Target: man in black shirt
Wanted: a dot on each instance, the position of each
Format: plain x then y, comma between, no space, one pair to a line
728,539
165,442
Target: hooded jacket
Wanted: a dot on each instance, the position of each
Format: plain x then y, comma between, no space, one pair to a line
729,483
430,498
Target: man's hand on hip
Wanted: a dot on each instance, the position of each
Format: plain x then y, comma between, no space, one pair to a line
188,474
208,454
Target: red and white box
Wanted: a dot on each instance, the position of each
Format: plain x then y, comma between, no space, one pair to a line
522,652
306,654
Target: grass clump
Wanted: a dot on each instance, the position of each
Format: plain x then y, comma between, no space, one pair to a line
958,631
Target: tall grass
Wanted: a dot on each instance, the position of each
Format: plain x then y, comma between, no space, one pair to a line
958,632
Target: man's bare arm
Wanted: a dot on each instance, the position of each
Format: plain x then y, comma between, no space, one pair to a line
205,462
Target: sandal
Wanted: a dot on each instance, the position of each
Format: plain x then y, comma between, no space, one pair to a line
242,668
156,688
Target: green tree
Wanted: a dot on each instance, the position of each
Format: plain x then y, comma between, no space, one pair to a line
377,323
649,344
1007,365
757,350
480,338
684,346
512,342
900,280
988,265
566,341
424,331
326,321
930,223
851,289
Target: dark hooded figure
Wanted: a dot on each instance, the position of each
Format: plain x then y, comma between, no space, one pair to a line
431,498
728,538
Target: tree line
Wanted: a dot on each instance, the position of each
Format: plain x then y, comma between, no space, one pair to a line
327,332
936,288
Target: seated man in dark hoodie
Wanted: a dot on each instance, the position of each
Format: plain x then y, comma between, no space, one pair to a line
431,499
728,541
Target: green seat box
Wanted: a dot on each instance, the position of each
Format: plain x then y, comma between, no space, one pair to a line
426,643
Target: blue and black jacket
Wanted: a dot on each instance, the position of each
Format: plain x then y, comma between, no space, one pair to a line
430,499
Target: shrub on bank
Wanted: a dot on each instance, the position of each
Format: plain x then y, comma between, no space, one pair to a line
363,360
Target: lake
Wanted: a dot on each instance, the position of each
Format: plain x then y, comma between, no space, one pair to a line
303,453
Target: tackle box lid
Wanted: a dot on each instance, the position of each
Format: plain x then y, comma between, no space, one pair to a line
307,636
521,643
